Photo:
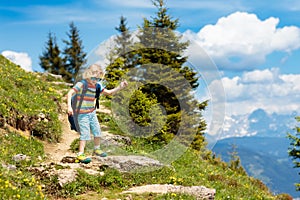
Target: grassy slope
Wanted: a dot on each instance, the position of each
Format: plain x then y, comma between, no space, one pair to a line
190,169
30,101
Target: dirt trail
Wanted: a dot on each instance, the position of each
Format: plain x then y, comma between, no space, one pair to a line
56,151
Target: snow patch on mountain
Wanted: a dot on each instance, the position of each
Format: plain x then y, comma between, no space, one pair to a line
259,123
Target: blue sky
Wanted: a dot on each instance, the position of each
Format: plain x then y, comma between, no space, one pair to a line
254,44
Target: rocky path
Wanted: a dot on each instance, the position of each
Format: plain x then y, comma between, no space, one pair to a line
55,152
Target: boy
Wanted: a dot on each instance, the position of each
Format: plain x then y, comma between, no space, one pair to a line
87,118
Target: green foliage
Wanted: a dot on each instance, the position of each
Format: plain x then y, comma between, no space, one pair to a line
156,61
74,54
13,144
50,60
283,197
123,40
84,183
114,73
199,142
175,196
228,183
119,59
112,179
19,183
190,169
30,102
74,147
235,162
139,107
294,149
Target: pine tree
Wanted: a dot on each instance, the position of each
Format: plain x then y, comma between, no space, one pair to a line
294,149
158,63
235,161
119,60
123,40
160,44
50,60
199,141
75,57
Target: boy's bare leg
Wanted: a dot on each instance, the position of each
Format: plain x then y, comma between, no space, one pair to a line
97,141
97,150
82,145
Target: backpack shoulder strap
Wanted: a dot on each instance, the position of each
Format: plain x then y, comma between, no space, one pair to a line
99,89
84,89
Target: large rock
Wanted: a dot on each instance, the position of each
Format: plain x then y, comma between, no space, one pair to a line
130,163
200,192
114,140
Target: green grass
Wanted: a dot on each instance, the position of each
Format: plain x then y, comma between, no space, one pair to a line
13,143
27,95
192,168
189,170
16,182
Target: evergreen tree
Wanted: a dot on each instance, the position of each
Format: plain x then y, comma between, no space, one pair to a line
75,57
160,44
235,161
294,149
199,141
161,40
123,40
50,60
118,58
159,64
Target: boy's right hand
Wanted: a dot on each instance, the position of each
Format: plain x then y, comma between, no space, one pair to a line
123,84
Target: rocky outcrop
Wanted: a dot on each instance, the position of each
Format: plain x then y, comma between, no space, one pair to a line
200,192
67,169
130,163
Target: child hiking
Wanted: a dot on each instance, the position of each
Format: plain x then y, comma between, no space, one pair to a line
86,117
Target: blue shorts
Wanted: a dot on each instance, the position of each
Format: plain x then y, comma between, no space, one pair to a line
89,123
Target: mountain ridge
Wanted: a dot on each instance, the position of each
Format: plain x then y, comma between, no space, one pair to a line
258,123
264,158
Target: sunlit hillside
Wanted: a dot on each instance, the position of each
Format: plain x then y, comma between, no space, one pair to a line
29,112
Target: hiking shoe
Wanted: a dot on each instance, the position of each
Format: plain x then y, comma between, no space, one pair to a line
83,159
98,152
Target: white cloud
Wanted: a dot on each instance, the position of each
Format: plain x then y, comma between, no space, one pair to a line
261,76
19,58
286,39
242,41
267,89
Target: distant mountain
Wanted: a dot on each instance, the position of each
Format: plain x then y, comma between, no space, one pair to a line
258,123
265,158
262,146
